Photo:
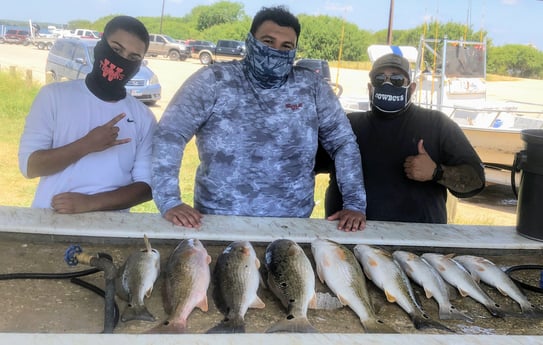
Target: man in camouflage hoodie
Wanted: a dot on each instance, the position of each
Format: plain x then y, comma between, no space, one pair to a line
257,123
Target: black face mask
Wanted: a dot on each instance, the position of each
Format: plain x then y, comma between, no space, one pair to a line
110,73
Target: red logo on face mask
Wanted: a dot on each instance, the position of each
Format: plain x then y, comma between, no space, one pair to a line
110,71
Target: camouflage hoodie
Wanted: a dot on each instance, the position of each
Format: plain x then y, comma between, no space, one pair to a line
256,146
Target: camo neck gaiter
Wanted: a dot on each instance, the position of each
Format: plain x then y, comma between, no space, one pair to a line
110,73
267,67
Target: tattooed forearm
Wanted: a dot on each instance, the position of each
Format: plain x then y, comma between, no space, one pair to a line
461,178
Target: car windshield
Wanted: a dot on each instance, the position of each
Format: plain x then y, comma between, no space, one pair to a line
169,39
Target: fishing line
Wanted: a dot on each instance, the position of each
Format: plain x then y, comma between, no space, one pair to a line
523,268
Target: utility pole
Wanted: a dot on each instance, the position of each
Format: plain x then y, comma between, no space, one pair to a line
390,19
161,16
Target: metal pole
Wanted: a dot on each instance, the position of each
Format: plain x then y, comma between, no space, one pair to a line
390,19
161,16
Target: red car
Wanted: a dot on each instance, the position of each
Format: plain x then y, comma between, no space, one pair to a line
16,37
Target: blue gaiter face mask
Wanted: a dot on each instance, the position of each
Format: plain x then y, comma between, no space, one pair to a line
389,98
268,67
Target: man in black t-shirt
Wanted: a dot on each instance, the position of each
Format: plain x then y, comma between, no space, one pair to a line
410,155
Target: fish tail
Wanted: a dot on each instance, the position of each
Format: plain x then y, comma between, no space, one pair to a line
293,325
422,321
235,325
377,326
495,310
168,327
137,312
450,312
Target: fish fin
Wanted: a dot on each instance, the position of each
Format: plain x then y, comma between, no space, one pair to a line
376,326
147,243
390,297
257,303
149,292
320,274
449,256
373,262
422,322
451,313
342,300
137,312
203,304
292,325
257,263
428,293
313,301
235,325
463,293
503,292
168,327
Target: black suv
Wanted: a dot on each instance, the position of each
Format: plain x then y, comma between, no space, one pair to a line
16,37
194,46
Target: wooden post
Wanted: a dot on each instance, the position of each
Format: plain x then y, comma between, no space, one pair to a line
28,77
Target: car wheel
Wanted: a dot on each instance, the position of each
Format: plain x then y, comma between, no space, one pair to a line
49,46
205,58
174,55
41,45
25,43
50,77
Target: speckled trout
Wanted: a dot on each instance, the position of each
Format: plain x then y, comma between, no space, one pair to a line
422,273
135,282
292,280
235,284
387,275
456,275
482,269
338,268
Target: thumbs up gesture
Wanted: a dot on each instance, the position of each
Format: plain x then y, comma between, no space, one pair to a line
419,167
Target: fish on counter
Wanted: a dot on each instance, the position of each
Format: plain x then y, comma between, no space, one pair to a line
456,275
426,276
387,275
186,280
236,279
338,268
482,269
291,278
135,282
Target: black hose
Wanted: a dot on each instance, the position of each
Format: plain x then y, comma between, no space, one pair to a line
112,310
66,275
99,292
522,268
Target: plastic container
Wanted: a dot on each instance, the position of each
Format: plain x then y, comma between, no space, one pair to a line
530,196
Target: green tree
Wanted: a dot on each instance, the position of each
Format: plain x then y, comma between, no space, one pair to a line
515,60
219,13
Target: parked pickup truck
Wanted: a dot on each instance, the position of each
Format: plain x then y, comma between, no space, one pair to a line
225,50
164,45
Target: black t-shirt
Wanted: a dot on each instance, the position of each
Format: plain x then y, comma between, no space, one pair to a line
385,142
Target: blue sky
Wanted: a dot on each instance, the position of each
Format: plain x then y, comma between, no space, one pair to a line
507,21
